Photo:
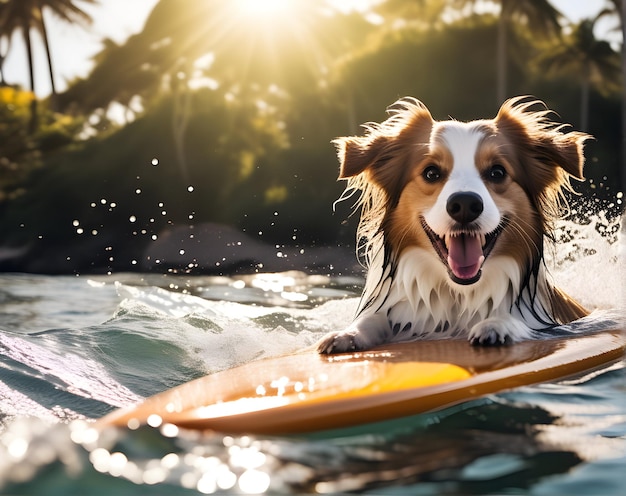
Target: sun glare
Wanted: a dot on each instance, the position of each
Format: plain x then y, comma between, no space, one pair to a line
263,7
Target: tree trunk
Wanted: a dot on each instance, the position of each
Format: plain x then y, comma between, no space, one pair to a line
501,59
3,57
584,104
623,167
32,125
46,42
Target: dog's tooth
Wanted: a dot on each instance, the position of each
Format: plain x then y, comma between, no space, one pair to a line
447,241
483,239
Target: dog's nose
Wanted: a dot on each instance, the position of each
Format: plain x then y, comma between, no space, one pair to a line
464,207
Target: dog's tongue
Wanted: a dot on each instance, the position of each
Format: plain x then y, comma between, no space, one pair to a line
465,255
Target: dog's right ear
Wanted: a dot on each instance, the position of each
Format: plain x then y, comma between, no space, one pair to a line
387,148
357,153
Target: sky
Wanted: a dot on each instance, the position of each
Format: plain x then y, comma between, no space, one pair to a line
73,46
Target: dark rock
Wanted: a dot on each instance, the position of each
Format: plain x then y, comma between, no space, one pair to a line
205,248
219,249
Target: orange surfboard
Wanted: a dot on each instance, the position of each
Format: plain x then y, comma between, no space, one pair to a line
306,392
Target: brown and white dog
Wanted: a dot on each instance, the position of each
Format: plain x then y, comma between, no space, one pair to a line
454,217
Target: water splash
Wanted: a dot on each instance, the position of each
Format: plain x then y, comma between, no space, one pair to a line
589,259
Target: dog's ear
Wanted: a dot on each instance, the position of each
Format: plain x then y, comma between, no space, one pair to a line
358,153
542,141
406,131
564,150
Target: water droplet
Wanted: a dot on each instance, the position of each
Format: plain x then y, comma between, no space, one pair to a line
80,230
103,201
75,223
254,482
154,237
154,420
155,161
181,252
132,218
138,191
190,189
207,484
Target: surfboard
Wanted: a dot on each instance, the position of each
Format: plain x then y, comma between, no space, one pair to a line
305,391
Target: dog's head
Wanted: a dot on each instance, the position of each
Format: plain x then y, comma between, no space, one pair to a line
464,191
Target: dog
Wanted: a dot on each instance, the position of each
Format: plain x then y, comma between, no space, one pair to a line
454,217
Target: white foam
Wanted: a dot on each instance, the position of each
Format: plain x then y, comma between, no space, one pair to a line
589,265
224,334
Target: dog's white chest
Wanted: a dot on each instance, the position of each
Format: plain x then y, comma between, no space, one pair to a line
419,301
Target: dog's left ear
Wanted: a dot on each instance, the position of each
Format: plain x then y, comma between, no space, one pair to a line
564,150
544,141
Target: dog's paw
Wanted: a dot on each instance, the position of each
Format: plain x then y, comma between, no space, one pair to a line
363,334
489,337
498,332
339,342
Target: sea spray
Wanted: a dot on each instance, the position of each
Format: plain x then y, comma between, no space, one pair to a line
588,258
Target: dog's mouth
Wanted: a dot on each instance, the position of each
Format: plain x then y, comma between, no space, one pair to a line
463,252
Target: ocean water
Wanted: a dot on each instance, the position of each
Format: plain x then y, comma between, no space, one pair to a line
74,348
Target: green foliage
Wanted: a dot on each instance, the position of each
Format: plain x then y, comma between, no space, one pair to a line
18,153
21,151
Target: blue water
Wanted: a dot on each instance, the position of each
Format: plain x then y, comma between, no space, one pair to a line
74,348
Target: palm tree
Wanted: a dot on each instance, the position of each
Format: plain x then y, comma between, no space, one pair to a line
26,15
3,53
596,63
538,16
618,8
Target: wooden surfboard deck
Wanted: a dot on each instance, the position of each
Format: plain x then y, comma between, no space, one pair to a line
306,392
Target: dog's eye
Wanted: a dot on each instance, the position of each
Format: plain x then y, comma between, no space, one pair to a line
496,173
431,174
